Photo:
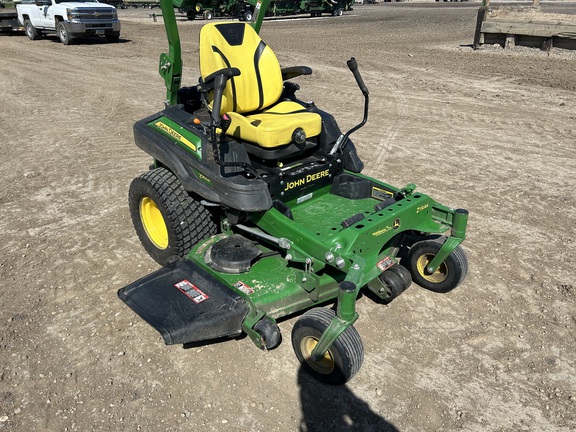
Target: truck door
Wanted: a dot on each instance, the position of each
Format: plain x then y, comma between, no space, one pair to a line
46,17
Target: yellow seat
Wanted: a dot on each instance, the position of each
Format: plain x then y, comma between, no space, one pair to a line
252,99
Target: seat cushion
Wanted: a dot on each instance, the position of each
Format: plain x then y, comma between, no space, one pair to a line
274,127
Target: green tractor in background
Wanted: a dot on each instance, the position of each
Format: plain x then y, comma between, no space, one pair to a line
256,208
209,9
244,10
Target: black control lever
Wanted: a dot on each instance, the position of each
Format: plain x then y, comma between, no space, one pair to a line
343,139
353,66
219,85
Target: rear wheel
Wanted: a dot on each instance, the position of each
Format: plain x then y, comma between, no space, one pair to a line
247,16
31,31
63,33
344,358
191,14
447,276
167,220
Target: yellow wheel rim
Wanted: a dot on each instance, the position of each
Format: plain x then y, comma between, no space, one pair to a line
325,365
198,8
438,276
153,223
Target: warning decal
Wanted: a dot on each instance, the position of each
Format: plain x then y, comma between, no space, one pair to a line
191,291
243,287
386,263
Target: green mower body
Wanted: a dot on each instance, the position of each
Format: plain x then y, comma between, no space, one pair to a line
247,235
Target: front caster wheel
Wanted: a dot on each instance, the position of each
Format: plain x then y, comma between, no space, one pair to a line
344,358
447,276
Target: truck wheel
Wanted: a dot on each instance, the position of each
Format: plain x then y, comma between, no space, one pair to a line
112,37
191,15
344,358
448,276
31,31
337,12
63,33
207,15
167,220
247,16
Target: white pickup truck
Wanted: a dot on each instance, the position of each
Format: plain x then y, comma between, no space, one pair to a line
69,19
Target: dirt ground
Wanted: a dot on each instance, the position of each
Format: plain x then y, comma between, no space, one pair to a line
492,131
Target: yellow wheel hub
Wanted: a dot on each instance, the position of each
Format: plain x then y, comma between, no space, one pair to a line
325,365
153,223
438,276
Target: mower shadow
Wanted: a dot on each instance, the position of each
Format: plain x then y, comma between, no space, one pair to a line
336,408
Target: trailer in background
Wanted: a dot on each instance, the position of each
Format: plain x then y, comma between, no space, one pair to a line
9,18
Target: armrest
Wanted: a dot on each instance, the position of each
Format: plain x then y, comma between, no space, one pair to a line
295,71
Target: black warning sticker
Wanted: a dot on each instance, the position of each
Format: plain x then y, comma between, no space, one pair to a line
192,291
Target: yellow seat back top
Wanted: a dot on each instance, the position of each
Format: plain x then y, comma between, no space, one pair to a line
225,45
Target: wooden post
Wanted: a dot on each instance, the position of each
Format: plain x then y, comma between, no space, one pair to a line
510,41
548,44
479,20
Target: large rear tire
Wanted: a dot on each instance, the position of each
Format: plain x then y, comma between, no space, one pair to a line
344,358
167,220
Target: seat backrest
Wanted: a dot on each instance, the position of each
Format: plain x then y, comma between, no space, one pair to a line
224,45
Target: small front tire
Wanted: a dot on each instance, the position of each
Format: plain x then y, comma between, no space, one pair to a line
344,358
447,276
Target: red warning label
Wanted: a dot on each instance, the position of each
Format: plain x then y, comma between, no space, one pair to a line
386,263
192,291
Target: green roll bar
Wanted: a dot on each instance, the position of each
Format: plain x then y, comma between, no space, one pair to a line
170,67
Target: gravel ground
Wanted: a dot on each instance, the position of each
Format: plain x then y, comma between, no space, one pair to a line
490,130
